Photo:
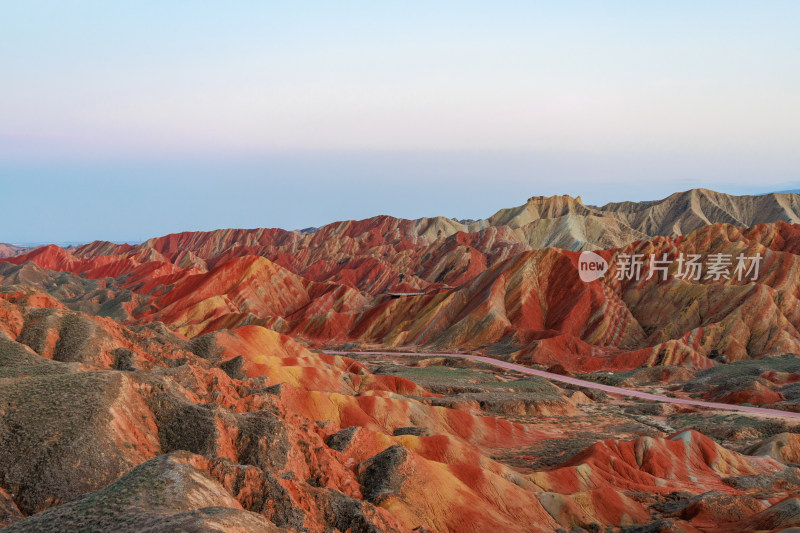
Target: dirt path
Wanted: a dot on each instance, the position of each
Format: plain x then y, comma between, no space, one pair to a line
589,384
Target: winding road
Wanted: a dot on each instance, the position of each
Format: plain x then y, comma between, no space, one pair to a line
588,384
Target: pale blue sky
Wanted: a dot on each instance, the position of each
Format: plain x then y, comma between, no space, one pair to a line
123,120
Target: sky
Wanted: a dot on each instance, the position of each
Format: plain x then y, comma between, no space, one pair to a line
125,120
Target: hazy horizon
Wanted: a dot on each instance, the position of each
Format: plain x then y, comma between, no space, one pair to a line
30,244
126,121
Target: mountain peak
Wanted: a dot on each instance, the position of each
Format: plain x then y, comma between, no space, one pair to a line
555,198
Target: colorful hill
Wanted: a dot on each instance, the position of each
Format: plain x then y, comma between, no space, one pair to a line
385,253
175,384
532,305
247,429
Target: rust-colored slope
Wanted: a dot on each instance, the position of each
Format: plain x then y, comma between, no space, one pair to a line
384,253
260,429
537,302
286,438
245,288
664,465
531,303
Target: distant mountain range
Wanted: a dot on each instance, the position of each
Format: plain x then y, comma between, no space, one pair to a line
413,254
390,254
558,221
10,250
169,385
454,284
